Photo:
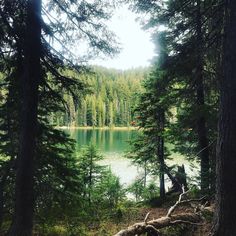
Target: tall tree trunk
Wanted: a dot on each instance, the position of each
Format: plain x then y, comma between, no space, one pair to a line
23,215
162,173
161,154
226,146
145,174
201,121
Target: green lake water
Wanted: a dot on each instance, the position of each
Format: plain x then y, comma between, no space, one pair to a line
106,140
113,144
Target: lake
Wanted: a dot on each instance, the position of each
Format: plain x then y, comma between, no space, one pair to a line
113,143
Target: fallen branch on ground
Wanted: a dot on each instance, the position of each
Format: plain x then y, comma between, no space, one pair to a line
194,218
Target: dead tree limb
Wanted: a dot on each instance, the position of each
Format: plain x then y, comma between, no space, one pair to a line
171,210
193,218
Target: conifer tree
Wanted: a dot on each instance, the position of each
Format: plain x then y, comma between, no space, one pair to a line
152,111
191,41
24,29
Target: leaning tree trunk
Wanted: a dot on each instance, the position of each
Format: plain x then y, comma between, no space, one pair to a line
201,121
226,146
23,214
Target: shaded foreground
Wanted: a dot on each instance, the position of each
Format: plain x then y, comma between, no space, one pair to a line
188,217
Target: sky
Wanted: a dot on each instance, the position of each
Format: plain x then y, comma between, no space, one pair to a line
137,48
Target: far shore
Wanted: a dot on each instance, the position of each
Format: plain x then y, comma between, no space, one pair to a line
100,128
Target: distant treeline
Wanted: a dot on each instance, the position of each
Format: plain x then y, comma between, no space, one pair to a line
109,101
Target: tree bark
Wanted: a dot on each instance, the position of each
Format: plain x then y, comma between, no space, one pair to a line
201,121
177,186
162,173
226,148
24,203
161,158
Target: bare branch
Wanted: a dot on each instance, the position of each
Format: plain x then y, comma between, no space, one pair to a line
172,209
193,218
146,217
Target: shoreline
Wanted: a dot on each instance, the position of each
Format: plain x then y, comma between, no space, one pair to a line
97,128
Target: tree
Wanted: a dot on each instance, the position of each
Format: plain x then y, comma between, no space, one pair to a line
153,113
226,149
30,78
56,175
24,29
192,42
110,189
91,172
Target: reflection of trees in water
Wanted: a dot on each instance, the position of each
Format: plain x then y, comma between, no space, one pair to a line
105,140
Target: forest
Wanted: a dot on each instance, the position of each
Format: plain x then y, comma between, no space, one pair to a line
183,104
109,99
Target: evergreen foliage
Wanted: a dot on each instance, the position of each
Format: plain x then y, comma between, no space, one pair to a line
191,43
155,116
37,156
109,101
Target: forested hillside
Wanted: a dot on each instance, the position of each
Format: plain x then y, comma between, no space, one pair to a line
109,100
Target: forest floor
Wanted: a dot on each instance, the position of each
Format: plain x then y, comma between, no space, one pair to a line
139,216
132,216
156,213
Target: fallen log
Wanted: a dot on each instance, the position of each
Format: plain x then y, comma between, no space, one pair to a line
194,218
144,227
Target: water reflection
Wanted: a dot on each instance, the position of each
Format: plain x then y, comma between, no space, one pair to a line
107,141
112,144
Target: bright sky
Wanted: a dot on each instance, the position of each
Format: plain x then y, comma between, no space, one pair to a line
137,48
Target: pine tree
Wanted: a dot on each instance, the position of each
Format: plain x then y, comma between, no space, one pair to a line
191,41
24,29
153,111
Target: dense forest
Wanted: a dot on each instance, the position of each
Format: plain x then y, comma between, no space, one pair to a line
110,99
186,100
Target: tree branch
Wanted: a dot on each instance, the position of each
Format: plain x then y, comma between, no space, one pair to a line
168,220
